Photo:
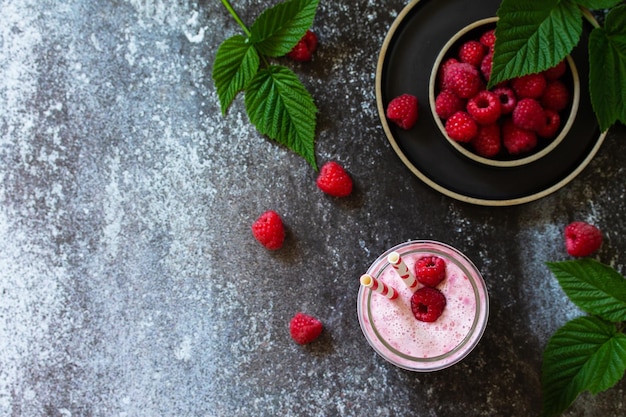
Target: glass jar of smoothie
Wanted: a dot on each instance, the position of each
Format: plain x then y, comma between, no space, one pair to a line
393,331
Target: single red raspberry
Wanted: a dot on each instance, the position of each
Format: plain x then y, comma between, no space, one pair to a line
304,49
486,64
441,73
461,127
304,328
268,229
489,38
463,79
427,304
555,72
334,180
529,86
528,114
555,96
487,142
551,126
472,52
430,270
517,140
403,111
484,107
447,103
507,97
582,239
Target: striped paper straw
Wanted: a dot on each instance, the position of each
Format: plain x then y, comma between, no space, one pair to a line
379,287
403,271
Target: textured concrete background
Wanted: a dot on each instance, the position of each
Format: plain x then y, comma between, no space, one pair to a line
131,285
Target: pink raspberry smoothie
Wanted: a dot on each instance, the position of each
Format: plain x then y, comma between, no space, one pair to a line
391,328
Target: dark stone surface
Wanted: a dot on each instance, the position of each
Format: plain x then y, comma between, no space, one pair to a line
131,285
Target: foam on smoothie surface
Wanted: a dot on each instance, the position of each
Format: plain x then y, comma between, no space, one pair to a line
396,324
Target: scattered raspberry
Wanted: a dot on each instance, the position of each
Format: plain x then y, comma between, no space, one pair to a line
556,96
507,97
334,180
582,239
447,103
268,229
304,49
472,52
427,304
463,79
461,127
487,142
430,270
486,64
484,107
304,328
517,140
551,126
529,86
489,38
528,114
402,110
555,72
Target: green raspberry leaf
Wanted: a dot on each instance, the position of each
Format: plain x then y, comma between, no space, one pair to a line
532,36
594,287
278,29
586,354
281,108
235,64
607,69
598,4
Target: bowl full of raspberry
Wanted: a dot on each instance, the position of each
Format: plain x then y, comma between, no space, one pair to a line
512,124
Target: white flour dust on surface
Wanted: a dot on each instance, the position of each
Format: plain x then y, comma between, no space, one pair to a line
193,31
183,15
548,306
162,11
18,82
20,286
31,298
184,350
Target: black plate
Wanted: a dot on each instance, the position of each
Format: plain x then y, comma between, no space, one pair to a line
404,66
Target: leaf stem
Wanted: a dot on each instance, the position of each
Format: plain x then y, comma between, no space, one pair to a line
235,16
590,17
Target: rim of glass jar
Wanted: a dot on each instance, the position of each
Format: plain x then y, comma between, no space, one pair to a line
503,163
469,342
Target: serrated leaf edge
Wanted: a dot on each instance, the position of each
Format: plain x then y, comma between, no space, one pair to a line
231,70
591,286
514,61
262,99
555,359
293,21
